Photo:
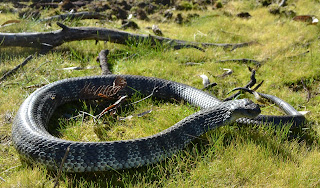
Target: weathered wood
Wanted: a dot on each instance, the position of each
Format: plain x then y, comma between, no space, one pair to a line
77,15
104,62
244,60
68,34
16,68
251,83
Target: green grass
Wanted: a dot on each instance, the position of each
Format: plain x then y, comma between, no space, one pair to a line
229,156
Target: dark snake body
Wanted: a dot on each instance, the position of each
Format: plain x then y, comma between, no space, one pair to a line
32,140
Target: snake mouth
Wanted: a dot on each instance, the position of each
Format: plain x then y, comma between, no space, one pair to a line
249,109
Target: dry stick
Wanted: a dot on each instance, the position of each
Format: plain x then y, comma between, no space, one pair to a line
179,46
68,34
282,3
16,68
301,54
307,90
104,62
60,169
2,179
251,83
77,15
240,45
244,60
209,86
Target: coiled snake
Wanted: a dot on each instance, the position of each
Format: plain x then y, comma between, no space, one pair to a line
32,140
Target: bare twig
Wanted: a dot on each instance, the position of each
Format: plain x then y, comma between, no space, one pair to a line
251,83
2,179
137,115
16,68
104,62
209,86
150,95
226,73
112,107
9,169
240,45
84,113
244,60
61,166
181,46
301,54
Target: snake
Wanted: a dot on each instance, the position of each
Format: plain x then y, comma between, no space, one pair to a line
33,141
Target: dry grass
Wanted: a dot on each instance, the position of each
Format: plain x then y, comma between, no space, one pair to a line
227,157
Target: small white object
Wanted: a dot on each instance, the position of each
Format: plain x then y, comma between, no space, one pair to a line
314,20
228,71
304,112
130,16
205,80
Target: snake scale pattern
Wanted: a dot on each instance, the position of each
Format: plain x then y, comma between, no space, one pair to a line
33,141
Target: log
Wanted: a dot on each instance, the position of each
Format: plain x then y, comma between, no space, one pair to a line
77,15
104,62
49,40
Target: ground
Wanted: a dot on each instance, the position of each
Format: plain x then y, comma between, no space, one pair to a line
230,156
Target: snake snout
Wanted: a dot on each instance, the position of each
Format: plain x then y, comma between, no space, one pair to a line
249,109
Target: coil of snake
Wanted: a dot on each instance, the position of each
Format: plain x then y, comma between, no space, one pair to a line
33,141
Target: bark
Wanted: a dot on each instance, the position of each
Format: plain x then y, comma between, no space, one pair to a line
49,40
104,62
77,15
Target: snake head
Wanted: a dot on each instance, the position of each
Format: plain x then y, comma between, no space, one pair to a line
244,108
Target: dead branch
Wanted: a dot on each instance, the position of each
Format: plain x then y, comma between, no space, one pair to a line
244,60
301,54
104,62
77,15
53,39
251,83
240,45
16,68
112,107
209,86
180,46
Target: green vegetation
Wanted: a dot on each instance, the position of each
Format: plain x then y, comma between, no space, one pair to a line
229,156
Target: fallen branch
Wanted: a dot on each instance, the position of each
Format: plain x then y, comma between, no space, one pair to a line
240,45
77,15
301,54
112,107
53,39
16,68
251,83
104,62
244,60
180,46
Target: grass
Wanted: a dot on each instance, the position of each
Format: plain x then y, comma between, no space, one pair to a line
229,156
